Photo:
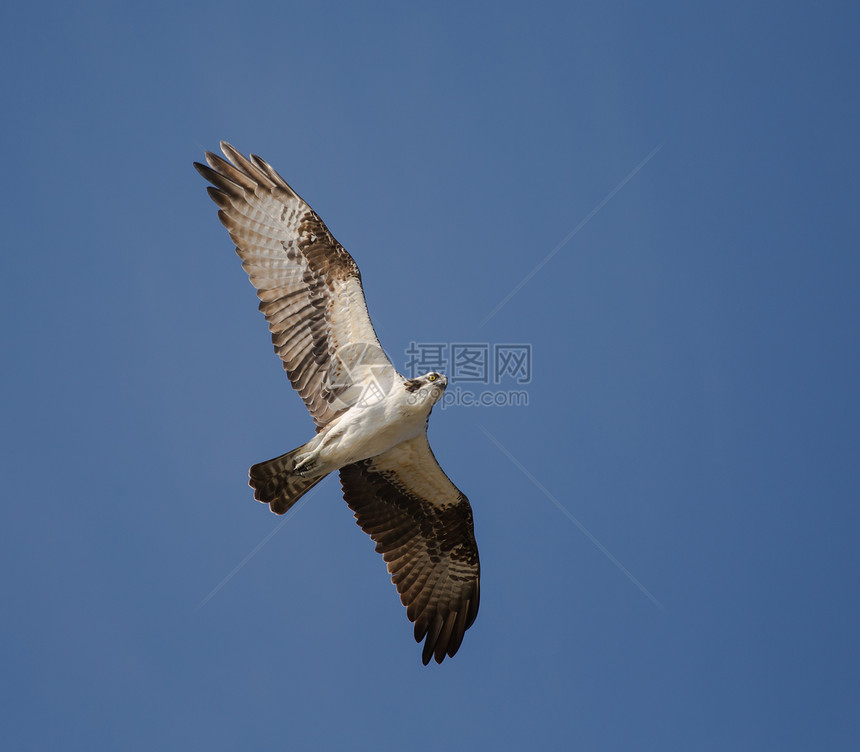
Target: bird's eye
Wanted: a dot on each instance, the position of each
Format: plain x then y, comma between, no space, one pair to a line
432,377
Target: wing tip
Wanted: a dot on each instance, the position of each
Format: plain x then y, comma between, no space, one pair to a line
444,635
242,171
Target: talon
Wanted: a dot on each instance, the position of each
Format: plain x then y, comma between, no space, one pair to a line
304,464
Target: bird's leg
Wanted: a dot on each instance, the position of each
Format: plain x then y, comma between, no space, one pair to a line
305,463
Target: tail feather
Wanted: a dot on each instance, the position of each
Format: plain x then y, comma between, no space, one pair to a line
275,483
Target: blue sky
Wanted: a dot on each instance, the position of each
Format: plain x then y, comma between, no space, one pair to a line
693,401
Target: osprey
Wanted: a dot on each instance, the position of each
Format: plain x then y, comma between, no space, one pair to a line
371,422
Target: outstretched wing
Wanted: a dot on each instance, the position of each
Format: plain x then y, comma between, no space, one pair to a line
422,525
309,286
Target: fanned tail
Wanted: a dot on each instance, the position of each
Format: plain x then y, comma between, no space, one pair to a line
276,484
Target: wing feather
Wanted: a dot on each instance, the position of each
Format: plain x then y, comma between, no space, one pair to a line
309,286
422,525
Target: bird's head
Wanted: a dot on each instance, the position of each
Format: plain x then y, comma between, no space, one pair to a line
428,388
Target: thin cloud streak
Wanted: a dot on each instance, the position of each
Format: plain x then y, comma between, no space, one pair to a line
583,529
573,232
271,534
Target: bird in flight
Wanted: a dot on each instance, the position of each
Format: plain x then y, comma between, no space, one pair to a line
371,422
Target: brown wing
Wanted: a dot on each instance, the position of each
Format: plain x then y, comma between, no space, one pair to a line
422,526
309,286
